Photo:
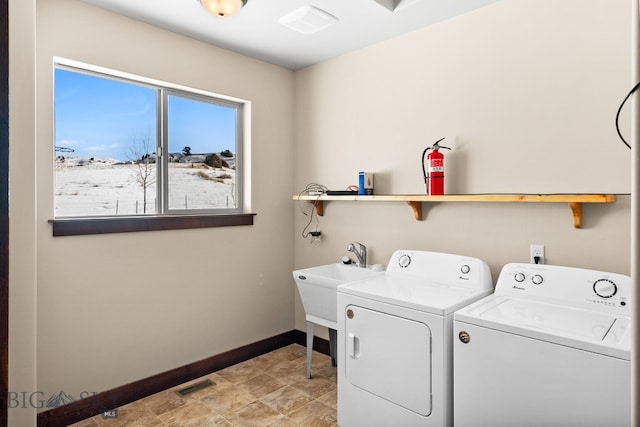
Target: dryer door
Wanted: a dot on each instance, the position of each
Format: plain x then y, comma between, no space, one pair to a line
390,357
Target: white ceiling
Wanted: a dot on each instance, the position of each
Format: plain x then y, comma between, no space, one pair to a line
255,30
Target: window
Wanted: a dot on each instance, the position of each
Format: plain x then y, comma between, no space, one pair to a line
128,148
201,141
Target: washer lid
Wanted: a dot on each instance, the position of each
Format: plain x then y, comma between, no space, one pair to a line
414,292
566,321
575,327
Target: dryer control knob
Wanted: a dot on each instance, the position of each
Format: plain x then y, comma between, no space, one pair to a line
605,288
465,269
537,279
519,277
404,261
464,337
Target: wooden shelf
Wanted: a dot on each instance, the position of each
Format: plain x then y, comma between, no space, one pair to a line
574,201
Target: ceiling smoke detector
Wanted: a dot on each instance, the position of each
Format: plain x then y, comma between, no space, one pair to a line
308,20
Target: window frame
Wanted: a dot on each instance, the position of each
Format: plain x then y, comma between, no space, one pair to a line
163,193
164,218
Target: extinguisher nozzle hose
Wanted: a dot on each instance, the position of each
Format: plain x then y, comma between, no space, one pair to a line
424,170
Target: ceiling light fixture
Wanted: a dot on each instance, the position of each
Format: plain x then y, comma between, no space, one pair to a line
222,7
394,5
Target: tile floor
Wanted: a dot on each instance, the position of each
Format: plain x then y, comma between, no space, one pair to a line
269,390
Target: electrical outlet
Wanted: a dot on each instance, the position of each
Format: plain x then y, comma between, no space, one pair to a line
536,254
316,234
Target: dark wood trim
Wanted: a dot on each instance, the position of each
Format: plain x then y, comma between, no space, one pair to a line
319,344
105,401
83,226
4,211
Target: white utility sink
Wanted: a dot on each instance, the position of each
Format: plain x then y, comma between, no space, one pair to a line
318,288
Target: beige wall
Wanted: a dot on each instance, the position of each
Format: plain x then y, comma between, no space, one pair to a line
117,308
22,202
525,92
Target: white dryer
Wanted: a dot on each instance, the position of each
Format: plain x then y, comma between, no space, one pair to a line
551,347
395,339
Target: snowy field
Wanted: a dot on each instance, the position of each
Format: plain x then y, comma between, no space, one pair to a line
100,187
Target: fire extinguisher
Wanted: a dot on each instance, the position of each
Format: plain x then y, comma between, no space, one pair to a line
434,171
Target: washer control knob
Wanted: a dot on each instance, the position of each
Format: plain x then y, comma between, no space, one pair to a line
537,279
605,288
465,269
404,261
519,277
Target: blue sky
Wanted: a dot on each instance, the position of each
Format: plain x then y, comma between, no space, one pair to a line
99,117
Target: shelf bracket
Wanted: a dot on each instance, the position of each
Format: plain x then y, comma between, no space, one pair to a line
576,211
319,205
417,209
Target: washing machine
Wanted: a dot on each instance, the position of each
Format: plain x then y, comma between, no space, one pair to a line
551,347
395,339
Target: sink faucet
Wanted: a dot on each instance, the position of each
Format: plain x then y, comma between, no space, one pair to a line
361,255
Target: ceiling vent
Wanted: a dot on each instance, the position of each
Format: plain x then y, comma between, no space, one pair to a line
394,5
308,20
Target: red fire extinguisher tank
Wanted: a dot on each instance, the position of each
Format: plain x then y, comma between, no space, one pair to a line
433,170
